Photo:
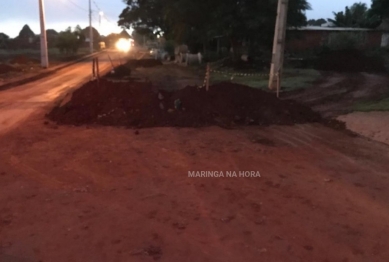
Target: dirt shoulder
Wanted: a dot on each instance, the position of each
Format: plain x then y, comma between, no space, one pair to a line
25,69
339,95
374,125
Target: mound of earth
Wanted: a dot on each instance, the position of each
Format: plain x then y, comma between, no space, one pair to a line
120,71
133,63
138,104
349,61
4,68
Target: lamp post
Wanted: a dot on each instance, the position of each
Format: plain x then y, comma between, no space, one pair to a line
44,54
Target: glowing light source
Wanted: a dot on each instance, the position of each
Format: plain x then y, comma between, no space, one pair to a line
123,45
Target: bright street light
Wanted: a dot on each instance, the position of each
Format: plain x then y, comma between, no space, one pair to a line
123,45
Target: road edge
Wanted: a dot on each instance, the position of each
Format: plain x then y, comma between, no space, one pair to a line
46,73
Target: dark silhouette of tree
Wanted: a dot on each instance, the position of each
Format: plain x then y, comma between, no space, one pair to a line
197,22
357,15
4,40
68,41
26,32
318,22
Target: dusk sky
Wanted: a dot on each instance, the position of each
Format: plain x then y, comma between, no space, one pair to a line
61,14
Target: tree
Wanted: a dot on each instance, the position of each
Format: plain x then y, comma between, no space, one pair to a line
80,36
197,22
357,15
380,8
68,42
318,22
4,40
26,32
379,13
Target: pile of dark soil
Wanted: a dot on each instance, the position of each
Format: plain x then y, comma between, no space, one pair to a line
120,71
349,61
23,60
4,68
136,104
134,63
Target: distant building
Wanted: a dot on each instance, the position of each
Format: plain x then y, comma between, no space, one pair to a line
328,24
311,37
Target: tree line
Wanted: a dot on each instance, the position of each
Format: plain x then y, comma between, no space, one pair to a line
199,22
251,21
358,15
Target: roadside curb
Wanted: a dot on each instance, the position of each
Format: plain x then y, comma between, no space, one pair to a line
46,73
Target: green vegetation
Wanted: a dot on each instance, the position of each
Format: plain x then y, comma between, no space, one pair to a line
69,41
293,79
359,15
381,105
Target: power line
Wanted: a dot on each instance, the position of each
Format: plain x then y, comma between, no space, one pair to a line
78,6
71,7
105,16
94,2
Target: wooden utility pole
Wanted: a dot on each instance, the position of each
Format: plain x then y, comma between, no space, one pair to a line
278,45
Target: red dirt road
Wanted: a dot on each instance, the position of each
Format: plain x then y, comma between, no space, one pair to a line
112,194
107,194
18,103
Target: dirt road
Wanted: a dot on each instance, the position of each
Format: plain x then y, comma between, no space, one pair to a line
112,194
16,104
108,194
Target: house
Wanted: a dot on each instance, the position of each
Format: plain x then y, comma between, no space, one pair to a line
311,37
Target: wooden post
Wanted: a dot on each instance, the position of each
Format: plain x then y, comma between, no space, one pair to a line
97,68
278,84
97,71
113,67
93,68
207,76
279,44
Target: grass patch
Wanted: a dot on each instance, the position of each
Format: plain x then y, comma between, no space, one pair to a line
381,105
293,79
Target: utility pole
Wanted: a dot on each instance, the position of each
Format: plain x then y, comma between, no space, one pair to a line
90,28
44,54
278,45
